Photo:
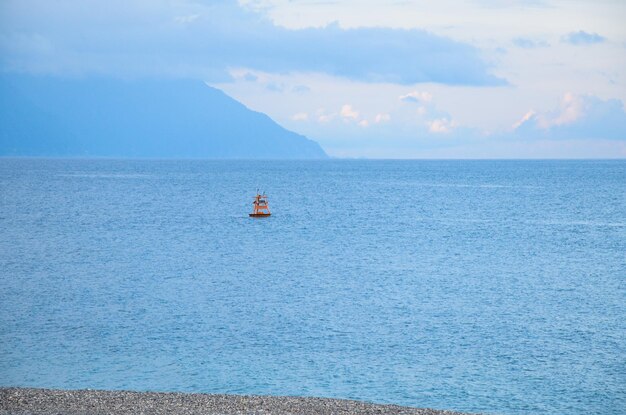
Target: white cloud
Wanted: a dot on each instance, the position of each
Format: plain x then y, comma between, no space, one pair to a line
382,118
349,113
441,126
583,38
578,116
364,123
526,43
250,77
416,96
301,116
323,117
186,19
572,109
527,117
301,89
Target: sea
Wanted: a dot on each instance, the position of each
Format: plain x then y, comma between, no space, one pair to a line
496,287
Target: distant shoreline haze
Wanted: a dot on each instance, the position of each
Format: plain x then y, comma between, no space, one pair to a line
46,116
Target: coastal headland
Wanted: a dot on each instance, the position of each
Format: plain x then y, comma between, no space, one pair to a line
21,401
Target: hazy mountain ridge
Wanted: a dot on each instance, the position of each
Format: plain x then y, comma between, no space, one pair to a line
101,117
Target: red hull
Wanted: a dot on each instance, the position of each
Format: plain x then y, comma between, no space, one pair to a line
259,215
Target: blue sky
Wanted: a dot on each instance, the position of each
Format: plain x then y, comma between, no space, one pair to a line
368,78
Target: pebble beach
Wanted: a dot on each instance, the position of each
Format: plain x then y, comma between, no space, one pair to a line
22,401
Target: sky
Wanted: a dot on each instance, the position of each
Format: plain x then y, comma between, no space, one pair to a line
366,78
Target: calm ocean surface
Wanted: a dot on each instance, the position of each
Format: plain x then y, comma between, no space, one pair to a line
486,286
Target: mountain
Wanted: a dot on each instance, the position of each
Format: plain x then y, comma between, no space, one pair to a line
50,116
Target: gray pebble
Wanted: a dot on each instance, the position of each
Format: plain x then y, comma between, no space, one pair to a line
26,401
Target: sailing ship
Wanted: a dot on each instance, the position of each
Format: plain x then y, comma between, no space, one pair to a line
261,207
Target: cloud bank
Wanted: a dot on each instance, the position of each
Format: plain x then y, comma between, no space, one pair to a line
205,39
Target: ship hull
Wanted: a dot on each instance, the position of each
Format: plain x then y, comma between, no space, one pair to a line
259,215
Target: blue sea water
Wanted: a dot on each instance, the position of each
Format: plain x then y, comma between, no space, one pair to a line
484,286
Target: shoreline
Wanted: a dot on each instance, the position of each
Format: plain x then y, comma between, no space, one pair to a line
34,401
